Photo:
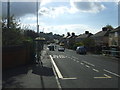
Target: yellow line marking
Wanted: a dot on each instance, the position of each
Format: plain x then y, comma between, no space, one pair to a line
101,77
106,76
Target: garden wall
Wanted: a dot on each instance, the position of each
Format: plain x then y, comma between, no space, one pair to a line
16,56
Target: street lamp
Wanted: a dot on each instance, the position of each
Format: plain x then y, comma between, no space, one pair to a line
39,41
8,14
37,16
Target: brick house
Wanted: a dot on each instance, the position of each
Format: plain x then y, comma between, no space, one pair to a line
114,37
114,42
81,37
101,38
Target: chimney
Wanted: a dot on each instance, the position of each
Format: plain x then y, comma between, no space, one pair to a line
86,32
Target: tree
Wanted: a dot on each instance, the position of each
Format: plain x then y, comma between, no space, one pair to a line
77,44
88,43
11,35
30,33
109,27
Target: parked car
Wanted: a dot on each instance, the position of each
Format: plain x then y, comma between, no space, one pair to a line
81,50
51,47
61,49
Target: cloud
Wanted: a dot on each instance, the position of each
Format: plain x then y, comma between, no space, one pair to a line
75,6
19,9
89,7
44,2
76,28
53,11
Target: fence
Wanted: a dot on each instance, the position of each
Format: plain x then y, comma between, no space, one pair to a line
16,56
111,53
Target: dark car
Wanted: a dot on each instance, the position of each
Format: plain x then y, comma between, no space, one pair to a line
61,49
51,47
81,50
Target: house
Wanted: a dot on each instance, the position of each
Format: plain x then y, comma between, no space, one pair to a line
114,42
81,37
114,37
101,38
70,40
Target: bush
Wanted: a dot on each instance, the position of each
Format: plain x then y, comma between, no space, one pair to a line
77,44
11,35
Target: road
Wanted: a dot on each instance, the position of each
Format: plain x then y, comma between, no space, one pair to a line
84,71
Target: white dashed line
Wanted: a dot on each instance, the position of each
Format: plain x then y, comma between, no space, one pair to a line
107,76
87,66
95,70
74,57
112,73
68,78
82,63
74,60
88,63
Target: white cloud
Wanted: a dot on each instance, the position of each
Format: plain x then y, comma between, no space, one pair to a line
76,28
89,7
44,2
53,11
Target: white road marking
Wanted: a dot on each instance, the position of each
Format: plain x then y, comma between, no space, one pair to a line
101,77
56,68
107,76
112,73
61,56
74,60
88,63
57,80
55,56
82,63
69,57
77,61
95,70
68,78
87,66
74,57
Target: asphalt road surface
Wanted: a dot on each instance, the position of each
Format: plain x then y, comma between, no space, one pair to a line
84,71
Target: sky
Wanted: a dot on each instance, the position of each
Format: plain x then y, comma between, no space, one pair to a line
65,16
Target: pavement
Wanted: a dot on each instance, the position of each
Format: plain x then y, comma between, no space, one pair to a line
31,76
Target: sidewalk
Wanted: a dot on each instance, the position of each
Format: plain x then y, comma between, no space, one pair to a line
31,76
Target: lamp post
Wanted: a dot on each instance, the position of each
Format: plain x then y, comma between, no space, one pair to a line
37,16
39,41
8,14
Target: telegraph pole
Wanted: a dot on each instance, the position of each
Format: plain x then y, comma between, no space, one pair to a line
8,14
37,16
